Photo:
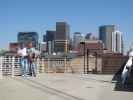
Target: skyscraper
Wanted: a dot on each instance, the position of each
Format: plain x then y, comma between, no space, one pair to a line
88,36
42,47
62,37
50,37
62,31
112,39
44,38
105,34
26,37
77,38
117,42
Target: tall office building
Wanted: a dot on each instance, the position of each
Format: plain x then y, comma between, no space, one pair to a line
62,31
105,34
77,38
44,38
26,37
62,37
43,47
50,37
112,39
117,42
88,36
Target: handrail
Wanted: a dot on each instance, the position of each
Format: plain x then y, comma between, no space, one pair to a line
10,65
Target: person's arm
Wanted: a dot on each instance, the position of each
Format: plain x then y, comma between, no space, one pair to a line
18,54
35,53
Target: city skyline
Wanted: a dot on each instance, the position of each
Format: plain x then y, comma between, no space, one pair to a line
82,16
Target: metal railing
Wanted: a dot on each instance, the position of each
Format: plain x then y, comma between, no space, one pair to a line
10,65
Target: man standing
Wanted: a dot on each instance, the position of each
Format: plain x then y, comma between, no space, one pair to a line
31,59
22,53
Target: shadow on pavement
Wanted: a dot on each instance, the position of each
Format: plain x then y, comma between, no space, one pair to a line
39,86
126,87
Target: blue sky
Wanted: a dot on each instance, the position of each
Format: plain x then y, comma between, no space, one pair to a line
82,15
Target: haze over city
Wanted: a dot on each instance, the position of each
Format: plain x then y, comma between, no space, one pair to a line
82,15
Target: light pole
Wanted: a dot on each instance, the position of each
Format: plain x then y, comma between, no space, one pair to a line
83,43
87,61
96,61
66,51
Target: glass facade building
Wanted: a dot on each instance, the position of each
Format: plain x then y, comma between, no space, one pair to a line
50,37
105,34
112,39
62,37
117,42
26,37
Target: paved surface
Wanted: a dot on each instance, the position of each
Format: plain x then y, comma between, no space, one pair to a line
61,87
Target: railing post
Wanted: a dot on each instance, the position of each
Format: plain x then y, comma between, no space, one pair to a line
13,66
88,61
48,64
65,64
43,65
96,58
9,63
54,65
1,61
38,65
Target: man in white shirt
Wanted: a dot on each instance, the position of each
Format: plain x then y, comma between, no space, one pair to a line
22,53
